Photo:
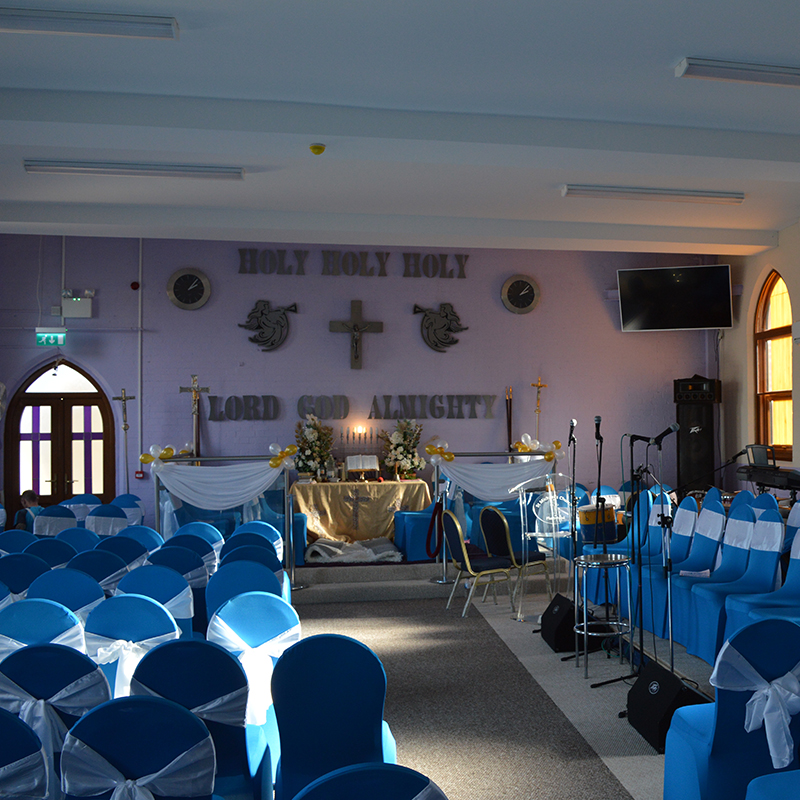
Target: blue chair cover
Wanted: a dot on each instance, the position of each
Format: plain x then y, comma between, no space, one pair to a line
386,781
792,524
131,551
709,755
52,520
249,539
324,731
150,538
712,494
253,552
709,600
745,496
106,520
81,539
778,786
141,736
237,577
38,621
194,674
20,745
299,528
106,568
167,587
76,590
265,529
18,570
15,541
734,554
127,618
200,545
132,506
54,551
189,564
765,502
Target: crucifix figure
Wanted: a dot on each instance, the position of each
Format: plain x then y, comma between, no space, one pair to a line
195,389
356,499
124,398
539,386
355,326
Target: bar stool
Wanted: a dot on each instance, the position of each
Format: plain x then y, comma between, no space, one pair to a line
613,626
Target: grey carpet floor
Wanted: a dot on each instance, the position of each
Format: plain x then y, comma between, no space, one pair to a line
463,709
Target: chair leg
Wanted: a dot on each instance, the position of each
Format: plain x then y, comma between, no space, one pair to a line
453,590
469,597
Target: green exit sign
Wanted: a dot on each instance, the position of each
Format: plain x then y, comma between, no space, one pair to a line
52,338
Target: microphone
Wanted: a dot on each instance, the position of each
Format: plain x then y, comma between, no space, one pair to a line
656,440
572,424
634,438
597,435
739,454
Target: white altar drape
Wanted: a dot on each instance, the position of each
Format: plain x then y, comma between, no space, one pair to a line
496,482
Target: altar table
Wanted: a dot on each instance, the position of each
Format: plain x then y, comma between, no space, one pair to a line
353,510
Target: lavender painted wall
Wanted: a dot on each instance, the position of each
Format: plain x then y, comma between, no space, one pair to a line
572,339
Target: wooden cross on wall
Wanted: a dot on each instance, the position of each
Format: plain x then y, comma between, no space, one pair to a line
355,326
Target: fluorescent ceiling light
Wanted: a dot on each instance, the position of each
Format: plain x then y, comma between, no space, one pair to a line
648,193
113,168
87,23
714,70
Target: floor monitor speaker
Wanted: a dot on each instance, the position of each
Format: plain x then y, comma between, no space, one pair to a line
654,698
558,626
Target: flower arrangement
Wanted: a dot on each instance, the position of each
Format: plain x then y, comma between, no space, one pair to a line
314,443
401,447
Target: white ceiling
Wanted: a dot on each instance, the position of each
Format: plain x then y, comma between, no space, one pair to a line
446,122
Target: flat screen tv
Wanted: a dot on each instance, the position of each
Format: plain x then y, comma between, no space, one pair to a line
675,298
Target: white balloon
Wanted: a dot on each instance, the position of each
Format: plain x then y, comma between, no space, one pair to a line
275,449
188,446
534,444
526,439
288,463
436,460
443,444
155,450
561,454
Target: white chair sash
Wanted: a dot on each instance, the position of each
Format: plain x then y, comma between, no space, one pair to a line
83,612
738,533
80,510
134,515
51,526
106,526
85,773
767,536
109,583
685,521
71,637
104,650
7,600
256,661
773,704
227,709
181,606
431,792
196,578
710,524
75,698
26,779
211,559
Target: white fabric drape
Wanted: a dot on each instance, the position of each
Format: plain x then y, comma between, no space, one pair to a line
75,698
84,773
72,637
227,709
26,779
127,654
256,661
218,488
496,482
772,705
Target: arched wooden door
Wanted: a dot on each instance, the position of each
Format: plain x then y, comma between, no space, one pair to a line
59,438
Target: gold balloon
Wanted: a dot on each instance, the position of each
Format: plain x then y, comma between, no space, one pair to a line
275,462
146,458
447,455
549,455
556,444
291,450
518,446
167,452
430,449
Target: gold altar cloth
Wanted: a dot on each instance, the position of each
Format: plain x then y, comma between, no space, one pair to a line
352,510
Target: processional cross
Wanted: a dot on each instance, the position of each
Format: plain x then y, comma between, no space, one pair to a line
539,386
355,326
195,389
124,398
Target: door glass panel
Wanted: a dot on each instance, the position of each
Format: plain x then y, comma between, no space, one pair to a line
62,380
97,467
35,450
87,450
779,364
780,421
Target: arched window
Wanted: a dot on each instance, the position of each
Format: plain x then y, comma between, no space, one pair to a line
773,336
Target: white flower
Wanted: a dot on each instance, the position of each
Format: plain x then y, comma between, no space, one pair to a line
396,437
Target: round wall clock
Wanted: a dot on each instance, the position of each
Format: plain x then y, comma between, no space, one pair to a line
520,294
188,288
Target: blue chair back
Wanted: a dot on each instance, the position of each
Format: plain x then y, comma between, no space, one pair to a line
387,781
765,502
132,506
745,497
248,539
334,729
237,577
18,571
55,552
707,536
18,741
36,621
258,617
181,559
161,584
132,552
150,538
106,520
205,530
106,568
53,519
81,539
192,541
72,588
683,526
14,541
251,552
735,547
140,736
265,529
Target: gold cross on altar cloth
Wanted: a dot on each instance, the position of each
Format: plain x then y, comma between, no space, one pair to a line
356,499
539,386
355,326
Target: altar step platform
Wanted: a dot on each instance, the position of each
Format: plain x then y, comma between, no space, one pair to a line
355,583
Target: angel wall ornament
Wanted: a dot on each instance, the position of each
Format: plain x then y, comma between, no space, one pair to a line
271,324
439,326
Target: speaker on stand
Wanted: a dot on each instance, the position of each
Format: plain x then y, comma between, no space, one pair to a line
695,401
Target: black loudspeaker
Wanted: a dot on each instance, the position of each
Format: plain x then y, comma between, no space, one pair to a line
558,627
654,698
695,399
